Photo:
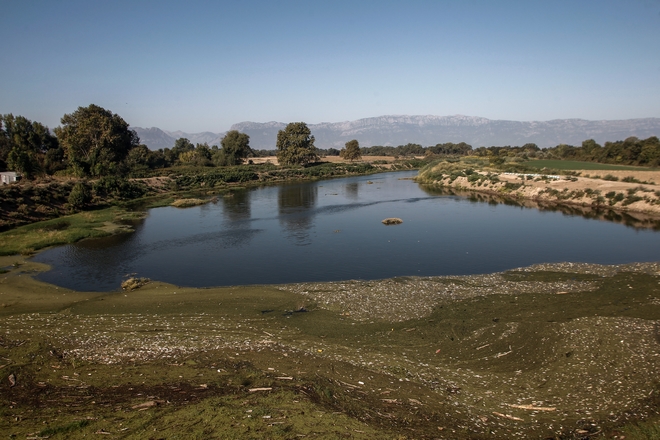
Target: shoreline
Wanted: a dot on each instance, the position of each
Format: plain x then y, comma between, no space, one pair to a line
632,198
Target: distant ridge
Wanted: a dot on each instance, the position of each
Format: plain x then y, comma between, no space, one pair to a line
155,138
427,130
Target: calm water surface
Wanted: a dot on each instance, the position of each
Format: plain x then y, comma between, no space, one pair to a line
331,230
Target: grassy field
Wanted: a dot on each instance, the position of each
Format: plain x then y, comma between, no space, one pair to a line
557,351
67,229
575,165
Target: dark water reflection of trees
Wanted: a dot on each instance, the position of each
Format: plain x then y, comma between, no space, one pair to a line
295,204
352,190
237,207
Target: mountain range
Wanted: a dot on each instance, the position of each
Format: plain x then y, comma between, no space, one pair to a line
426,130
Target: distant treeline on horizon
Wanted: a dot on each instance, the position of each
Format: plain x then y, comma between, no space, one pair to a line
95,142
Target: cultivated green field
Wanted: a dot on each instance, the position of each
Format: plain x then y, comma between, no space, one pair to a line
575,165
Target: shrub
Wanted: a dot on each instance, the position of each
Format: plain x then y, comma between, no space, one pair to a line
510,186
611,178
631,199
617,198
79,196
118,188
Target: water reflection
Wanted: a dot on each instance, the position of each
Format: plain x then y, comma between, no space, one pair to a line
237,206
296,214
352,190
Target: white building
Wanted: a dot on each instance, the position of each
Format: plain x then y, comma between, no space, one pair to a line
7,177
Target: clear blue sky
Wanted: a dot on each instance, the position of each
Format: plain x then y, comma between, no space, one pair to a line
202,66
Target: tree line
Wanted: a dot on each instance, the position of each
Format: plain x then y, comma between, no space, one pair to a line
631,151
94,142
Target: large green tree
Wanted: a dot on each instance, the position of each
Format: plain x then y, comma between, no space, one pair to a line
95,140
27,147
295,145
351,151
235,148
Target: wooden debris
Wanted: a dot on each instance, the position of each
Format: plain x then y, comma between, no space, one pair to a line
12,380
532,407
508,416
284,378
254,390
147,405
348,384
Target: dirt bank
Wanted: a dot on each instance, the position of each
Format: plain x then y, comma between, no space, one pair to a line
640,193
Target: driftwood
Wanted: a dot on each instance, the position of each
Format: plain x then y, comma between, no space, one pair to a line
253,390
532,407
507,416
147,405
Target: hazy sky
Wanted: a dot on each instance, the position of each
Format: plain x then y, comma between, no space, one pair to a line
202,66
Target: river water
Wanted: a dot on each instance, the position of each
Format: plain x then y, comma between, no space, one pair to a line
331,230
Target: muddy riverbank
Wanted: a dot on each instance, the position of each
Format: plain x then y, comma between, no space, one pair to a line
550,351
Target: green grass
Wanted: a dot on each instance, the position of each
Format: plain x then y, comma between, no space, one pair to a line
69,229
575,165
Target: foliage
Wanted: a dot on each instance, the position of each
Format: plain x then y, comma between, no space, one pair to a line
28,147
402,150
216,177
235,148
181,145
321,171
119,188
631,151
450,149
199,156
80,196
141,161
96,141
351,151
295,145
